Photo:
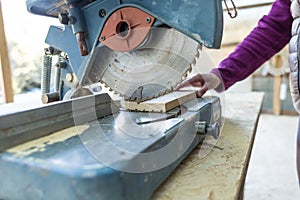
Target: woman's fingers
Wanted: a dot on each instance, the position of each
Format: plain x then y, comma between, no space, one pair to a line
203,81
195,81
202,90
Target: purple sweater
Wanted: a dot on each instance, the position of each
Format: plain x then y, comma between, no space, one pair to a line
272,33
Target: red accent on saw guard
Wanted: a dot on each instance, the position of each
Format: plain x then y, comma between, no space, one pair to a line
126,29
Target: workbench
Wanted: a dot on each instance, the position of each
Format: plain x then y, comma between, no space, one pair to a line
221,174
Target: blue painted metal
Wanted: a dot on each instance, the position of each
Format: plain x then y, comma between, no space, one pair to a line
201,20
66,169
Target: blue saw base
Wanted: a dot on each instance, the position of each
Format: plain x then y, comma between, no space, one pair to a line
64,166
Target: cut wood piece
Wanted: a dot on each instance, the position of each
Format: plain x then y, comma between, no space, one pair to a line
161,104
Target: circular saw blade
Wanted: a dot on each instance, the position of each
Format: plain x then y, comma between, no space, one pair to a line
153,69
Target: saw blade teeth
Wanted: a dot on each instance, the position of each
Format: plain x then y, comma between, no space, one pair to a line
190,69
115,93
197,54
105,85
161,93
185,75
128,98
200,46
193,64
192,54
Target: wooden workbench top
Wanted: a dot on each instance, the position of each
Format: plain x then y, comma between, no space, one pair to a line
221,174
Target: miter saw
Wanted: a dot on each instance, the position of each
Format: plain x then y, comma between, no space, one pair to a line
140,49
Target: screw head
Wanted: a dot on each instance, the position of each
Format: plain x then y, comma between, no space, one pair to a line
102,13
69,77
148,20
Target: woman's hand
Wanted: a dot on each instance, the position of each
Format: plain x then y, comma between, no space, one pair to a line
203,81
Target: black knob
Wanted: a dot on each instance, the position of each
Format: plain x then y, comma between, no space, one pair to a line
63,18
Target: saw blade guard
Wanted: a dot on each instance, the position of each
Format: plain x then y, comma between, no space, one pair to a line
201,20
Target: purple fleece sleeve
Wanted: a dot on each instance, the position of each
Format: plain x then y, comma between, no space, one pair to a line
272,33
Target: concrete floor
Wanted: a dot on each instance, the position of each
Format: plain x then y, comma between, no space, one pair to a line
272,169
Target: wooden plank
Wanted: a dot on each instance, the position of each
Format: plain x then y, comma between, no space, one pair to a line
5,72
221,174
163,103
277,83
276,95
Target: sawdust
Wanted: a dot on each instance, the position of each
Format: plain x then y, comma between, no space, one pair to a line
221,173
40,144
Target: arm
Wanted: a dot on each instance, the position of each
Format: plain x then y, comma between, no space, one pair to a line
272,33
